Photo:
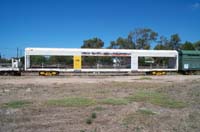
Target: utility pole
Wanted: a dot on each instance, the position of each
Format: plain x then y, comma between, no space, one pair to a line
17,52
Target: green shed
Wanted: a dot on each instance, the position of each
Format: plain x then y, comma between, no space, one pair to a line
189,60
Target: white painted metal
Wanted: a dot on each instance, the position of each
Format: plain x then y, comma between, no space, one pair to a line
147,70
14,66
16,63
8,69
82,70
25,60
134,62
96,70
134,54
70,52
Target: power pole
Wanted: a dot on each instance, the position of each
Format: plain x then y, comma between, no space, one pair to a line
17,52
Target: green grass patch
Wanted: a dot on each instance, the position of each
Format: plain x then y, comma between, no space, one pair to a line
146,112
114,101
156,98
72,102
93,115
16,104
89,121
99,108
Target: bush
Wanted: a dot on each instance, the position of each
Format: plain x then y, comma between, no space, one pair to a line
89,121
94,115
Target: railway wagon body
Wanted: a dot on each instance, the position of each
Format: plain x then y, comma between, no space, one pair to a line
189,61
149,61
134,57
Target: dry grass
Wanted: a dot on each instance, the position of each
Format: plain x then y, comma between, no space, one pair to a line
120,104
156,99
72,102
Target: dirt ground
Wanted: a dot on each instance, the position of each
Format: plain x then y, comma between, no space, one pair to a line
134,116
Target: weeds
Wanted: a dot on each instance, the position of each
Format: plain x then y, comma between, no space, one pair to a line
141,116
72,102
146,112
16,104
94,115
114,101
89,120
99,108
157,99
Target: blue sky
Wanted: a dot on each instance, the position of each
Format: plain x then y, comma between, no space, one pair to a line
66,23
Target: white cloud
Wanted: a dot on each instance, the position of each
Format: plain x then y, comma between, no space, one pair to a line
196,5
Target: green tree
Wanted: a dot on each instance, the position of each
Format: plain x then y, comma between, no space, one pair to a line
159,47
143,37
187,46
174,43
122,43
4,60
93,43
162,43
197,45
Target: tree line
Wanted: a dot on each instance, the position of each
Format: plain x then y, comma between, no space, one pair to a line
144,38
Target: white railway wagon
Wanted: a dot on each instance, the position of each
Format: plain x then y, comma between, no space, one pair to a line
135,56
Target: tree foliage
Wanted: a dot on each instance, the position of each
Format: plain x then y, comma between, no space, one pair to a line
93,43
174,43
162,43
160,47
143,37
187,46
197,45
122,43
